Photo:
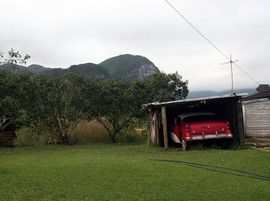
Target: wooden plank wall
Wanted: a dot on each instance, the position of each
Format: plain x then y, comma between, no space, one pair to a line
257,118
7,139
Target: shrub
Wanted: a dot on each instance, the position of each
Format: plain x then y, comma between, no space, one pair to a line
27,137
89,132
133,136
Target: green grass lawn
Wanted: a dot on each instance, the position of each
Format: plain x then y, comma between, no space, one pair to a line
118,172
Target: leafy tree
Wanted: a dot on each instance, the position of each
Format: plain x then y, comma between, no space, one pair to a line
263,87
57,107
14,57
11,113
58,103
121,103
116,107
166,87
8,106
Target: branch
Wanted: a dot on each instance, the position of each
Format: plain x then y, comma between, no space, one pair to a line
5,125
104,125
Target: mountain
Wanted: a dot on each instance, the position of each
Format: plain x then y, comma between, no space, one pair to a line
14,68
35,68
129,67
200,94
54,71
90,69
87,69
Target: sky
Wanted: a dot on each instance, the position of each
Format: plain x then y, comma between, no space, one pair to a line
60,33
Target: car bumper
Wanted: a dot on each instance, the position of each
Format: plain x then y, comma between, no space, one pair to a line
211,136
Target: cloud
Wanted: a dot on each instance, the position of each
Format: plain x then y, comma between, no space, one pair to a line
60,33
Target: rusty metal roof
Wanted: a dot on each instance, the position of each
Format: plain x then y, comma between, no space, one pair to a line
259,95
194,100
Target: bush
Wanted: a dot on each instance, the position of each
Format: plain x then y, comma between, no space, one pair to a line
84,133
89,132
27,137
133,136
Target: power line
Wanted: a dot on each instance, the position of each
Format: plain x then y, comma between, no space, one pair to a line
246,73
196,29
211,43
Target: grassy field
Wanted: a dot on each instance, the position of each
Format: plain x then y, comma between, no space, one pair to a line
120,172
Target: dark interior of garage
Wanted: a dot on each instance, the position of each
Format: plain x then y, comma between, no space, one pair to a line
226,108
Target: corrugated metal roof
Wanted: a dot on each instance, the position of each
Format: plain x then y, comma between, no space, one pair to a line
259,95
192,100
246,102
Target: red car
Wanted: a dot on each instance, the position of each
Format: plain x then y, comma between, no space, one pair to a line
199,126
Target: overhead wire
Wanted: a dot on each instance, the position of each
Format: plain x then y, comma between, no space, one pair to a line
209,41
247,74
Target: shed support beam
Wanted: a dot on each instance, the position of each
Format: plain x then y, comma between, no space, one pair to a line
156,129
240,120
164,123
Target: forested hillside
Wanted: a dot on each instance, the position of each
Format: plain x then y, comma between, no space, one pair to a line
126,67
129,67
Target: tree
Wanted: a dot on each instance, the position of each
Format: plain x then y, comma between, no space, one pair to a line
263,87
57,106
14,57
166,87
120,103
115,108
11,113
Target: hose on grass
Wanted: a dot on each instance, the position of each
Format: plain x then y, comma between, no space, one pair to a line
219,169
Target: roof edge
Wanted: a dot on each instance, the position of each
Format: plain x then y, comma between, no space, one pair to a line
193,100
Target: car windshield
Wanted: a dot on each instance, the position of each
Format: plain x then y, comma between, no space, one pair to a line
200,118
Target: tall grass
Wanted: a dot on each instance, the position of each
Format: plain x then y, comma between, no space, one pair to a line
84,133
89,132
27,137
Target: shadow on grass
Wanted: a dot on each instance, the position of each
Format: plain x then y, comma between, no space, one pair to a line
220,169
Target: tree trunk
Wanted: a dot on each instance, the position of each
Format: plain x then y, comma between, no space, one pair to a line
64,139
113,138
111,132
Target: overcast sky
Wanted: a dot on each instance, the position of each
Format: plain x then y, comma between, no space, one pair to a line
59,33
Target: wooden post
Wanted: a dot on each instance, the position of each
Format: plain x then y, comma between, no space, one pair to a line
156,128
164,123
241,127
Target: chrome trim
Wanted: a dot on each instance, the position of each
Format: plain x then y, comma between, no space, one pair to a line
211,136
175,138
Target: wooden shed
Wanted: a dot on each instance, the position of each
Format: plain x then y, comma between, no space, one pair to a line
256,109
162,114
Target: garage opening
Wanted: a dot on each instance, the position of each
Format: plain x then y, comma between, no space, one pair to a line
162,116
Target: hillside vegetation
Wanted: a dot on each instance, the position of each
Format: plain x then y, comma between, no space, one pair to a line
127,67
56,104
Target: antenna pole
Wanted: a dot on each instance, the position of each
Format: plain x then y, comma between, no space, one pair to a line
231,62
